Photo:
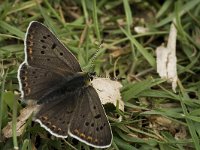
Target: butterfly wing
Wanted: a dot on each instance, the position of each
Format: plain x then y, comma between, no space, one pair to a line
89,123
47,63
44,50
36,82
55,115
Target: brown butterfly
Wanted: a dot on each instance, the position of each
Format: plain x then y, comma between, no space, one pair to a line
52,76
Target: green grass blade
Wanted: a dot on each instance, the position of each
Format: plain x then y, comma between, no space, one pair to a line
187,7
95,19
14,122
12,29
141,49
2,104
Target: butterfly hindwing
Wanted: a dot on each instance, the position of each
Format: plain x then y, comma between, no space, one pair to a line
44,50
89,123
55,116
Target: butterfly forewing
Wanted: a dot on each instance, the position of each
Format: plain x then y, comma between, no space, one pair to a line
44,50
89,123
47,63
35,82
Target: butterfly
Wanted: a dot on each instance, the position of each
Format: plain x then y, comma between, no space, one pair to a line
52,77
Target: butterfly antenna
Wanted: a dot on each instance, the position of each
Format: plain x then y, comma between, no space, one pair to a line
95,55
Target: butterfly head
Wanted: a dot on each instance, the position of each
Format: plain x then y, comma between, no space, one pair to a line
88,77
84,78
91,75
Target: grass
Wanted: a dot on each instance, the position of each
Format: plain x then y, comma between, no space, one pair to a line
155,117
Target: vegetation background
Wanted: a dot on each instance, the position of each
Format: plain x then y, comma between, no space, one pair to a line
155,117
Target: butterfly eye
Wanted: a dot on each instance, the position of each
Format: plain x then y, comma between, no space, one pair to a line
91,75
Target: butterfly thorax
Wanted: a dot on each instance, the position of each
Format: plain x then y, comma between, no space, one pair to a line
78,80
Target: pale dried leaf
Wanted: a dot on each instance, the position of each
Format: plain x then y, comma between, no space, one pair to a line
25,113
140,29
108,91
166,59
162,57
160,123
182,134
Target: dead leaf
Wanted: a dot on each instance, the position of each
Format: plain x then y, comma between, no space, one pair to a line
160,123
108,91
166,59
140,29
25,113
182,134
